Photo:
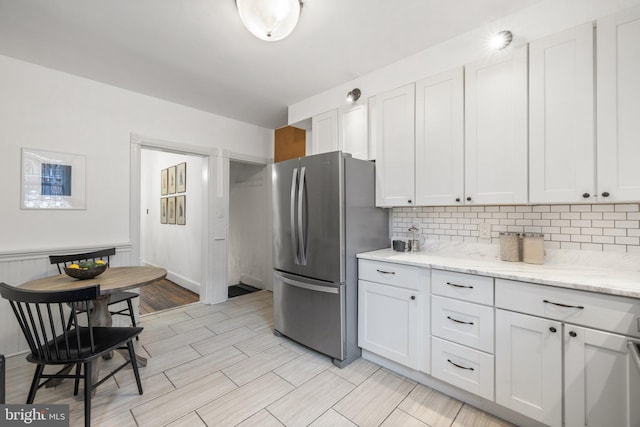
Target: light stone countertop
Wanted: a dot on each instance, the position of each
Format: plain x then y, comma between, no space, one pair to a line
613,274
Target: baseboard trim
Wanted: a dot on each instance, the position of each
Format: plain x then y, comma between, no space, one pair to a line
178,279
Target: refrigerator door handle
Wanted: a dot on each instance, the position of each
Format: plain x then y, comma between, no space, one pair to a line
308,286
294,248
301,234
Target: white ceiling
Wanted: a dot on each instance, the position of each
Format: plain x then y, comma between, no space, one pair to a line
197,53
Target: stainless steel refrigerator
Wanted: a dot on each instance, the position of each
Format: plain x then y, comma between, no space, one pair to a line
324,214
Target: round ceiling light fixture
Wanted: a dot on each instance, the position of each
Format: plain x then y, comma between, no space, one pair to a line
269,20
354,95
501,40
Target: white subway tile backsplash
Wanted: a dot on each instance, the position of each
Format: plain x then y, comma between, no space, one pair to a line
597,227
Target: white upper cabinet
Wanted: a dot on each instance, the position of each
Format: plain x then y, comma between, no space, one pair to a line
496,128
353,130
561,108
395,123
618,106
324,129
439,144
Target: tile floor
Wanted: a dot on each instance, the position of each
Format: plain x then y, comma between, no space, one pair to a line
221,365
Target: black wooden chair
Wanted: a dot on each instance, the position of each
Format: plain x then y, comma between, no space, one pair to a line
43,322
2,374
114,298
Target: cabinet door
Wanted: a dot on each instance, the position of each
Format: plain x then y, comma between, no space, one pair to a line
324,129
618,71
529,366
353,127
496,128
440,139
388,321
395,124
561,132
602,380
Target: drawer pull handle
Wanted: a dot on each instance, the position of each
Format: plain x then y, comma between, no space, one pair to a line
385,272
460,366
459,321
455,285
563,305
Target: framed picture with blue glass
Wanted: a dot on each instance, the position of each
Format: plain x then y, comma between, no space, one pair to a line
52,180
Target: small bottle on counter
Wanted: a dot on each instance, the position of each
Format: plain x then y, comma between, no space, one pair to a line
533,248
510,247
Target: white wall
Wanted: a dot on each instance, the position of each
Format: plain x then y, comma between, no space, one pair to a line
45,109
176,248
535,22
247,259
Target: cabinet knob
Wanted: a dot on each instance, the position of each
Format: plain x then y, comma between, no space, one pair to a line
413,297
605,194
573,334
469,199
552,329
586,195
409,201
457,199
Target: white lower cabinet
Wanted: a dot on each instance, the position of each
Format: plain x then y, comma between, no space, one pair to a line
529,366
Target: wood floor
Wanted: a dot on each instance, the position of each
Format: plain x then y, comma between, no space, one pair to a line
221,365
164,295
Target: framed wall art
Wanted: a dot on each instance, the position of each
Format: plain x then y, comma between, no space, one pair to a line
172,180
164,183
181,177
181,210
171,210
163,210
52,180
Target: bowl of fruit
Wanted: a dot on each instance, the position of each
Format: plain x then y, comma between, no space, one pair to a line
86,269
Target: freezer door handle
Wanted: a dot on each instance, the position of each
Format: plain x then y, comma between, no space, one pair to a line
292,202
301,234
308,286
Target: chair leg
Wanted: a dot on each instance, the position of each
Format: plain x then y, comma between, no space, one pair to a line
132,315
77,384
134,365
34,384
88,388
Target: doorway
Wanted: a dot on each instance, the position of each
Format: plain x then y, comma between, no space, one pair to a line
249,230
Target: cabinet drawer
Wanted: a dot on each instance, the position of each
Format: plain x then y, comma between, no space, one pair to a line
466,368
467,287
405,276
463,322
606,312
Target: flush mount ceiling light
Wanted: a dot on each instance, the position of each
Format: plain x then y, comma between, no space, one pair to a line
269,20
501,40
354,95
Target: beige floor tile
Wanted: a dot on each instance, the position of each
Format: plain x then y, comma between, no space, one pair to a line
356,372
121,419
249,369
252,297
242,403
303,368
179,341
401,418
332,419
190,420
227,339
250,320
159,364
199,309
180,402
234,310
155,321
261,419
150,335
431,407
259,343
203,366
310,400
373,400
470,416
198,322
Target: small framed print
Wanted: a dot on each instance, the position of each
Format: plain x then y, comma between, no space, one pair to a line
181,177
171,210
172,180
164,182
163,210
181,210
